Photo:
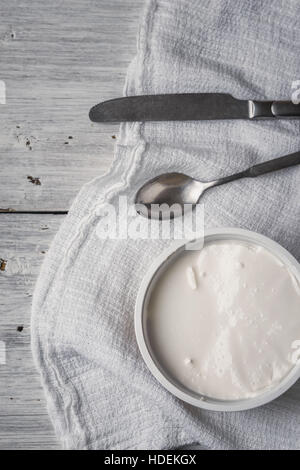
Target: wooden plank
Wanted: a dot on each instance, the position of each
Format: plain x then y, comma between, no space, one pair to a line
57,60
24,422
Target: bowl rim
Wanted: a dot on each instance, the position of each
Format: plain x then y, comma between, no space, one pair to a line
226,233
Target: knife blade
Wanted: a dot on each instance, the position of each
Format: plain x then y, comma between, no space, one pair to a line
190,107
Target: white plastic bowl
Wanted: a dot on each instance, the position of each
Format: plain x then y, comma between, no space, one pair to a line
161,375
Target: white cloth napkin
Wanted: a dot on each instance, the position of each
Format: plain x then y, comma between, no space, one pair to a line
100,394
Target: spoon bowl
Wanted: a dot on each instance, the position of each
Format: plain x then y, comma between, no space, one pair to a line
168,195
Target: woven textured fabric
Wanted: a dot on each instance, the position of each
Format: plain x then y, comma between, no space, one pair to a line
100,394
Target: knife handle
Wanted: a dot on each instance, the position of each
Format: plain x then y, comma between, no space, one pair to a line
275,109
285,109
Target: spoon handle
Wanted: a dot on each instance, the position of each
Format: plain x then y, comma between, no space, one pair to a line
274,165
262,168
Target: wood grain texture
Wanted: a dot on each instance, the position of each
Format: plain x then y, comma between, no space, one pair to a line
57,59
24,422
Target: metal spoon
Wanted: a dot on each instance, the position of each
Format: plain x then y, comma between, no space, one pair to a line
154,199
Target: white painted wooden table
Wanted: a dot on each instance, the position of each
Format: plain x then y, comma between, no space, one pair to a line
57,59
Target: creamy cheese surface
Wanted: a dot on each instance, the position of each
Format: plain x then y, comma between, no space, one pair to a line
222,321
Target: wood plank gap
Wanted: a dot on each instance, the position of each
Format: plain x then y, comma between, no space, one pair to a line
51,212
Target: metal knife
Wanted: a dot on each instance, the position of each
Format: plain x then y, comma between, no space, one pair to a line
190,107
